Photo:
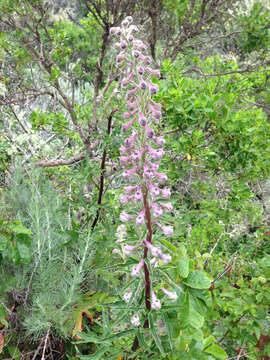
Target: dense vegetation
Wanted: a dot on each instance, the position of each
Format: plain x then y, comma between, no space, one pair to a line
67,288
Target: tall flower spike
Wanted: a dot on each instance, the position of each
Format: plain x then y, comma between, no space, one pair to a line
141,155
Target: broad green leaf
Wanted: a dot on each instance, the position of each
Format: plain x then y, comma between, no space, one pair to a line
198,279
217,351
183,266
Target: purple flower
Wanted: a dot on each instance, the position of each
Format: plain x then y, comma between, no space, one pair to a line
149,132
123,45
136,54
142,119
142,84
136,270
140,70
153,88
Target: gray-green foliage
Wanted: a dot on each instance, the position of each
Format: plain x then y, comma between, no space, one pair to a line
50,282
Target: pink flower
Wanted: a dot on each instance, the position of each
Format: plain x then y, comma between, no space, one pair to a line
154,191
156,252
167,230
157,211
116,251
160,141
161,177
124,160
124,216
168,206
123,150
156,113
128,249
142,84
138,195
130,188
166,193
171,294
136,54
147,172
142,119
123,199
137,269
166,258
140,218
153,72
149,132
155,104
155,303
127,125
140,70
129,141
128,173
131,93
153,88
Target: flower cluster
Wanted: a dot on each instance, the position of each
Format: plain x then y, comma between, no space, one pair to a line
140,157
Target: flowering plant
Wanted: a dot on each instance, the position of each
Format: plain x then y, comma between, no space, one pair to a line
145,196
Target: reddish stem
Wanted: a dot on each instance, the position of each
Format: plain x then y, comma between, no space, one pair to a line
149,239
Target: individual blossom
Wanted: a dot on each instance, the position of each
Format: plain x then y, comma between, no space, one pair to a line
171,294
136,270
127,296
155,303
135,320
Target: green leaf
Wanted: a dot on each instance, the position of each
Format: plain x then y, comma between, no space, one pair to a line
188,316
169,328
217,351
154,334
198,279
183,266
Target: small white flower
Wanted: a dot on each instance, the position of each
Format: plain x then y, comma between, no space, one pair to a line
135,320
